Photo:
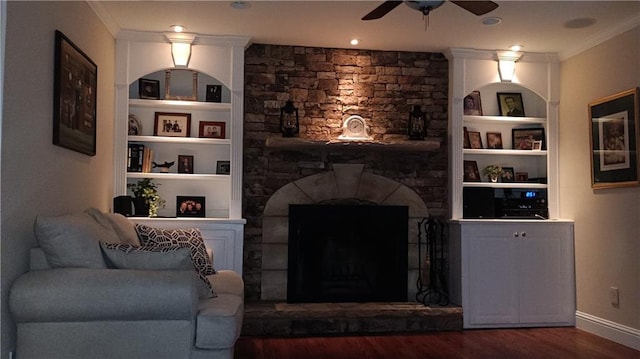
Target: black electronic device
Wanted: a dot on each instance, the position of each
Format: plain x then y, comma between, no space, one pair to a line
123,205
523,204
478,202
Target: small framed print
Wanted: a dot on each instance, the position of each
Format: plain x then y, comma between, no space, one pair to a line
210,129
472,105
190,206
537,146
494,140
522,176
475,140
223,167
508,175
185,164
172,124
523,138
214,93
149,89
510,104
471,173
135,127
465,139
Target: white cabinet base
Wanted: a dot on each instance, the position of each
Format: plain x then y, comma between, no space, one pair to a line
513,273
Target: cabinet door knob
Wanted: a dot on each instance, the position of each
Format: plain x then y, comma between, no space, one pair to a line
516,234
524,234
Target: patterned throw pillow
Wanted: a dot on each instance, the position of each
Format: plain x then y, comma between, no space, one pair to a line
184,238
127,256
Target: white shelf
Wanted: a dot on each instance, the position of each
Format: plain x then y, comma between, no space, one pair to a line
183,140
177,176
506,120
503,152
195,105
504,185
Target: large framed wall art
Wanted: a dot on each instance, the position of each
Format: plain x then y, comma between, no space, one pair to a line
613,124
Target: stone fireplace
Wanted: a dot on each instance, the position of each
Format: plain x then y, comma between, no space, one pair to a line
344,182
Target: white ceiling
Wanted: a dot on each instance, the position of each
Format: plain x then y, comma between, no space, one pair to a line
541,26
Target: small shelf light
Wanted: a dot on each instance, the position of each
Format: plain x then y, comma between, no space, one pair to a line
507,64
180,47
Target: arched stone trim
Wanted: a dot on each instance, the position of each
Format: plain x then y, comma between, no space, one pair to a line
345,181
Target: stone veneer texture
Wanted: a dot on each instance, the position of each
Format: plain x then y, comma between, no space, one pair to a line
327,86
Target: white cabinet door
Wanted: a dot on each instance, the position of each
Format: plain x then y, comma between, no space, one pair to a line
546,274
493,279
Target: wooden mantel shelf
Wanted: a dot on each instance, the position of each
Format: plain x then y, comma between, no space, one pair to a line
297,143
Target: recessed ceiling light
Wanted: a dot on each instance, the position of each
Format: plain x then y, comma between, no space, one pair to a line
515,47
354,42
240,5
177,28
491,21
579,23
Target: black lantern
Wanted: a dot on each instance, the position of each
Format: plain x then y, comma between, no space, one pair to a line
289,123
417,124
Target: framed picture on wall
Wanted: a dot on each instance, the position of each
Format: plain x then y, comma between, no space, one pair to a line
613,124
74,97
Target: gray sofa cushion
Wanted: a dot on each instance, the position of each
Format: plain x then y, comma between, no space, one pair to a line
72,240
189,238
219,322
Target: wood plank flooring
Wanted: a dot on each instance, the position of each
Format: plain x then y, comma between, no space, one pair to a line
538,343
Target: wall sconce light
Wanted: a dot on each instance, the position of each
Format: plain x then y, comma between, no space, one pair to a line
507,64
417,124
180,47
289,122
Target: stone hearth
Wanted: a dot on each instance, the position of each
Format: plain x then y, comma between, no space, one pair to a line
323,319
346,181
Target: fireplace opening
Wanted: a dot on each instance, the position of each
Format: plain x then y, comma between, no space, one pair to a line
347,253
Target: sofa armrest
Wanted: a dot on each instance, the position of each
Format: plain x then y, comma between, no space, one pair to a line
83,294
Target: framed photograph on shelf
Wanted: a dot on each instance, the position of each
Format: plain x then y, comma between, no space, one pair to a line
510,104
190,206
475,140
172,124
74,97
537,146
471,173
149,89
223,167
523,138
508,175
211,129
522,176
494,140
135,127
472,104
185,164
613,124
182,78
465,139
214,93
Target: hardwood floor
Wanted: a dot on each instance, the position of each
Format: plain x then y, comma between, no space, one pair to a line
539,343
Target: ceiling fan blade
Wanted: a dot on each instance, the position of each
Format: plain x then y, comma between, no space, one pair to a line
477,7
382,10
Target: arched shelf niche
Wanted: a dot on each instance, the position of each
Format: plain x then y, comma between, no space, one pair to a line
534,105
181,83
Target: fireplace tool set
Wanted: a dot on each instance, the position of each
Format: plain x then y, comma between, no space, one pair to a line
432,269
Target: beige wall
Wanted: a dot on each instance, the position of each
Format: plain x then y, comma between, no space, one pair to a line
38,177
607,221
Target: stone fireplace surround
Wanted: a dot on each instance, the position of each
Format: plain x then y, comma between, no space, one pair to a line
345,181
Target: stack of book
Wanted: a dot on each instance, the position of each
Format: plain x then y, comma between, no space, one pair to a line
139,158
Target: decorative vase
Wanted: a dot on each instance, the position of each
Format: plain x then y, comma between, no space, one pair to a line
141,207
493,179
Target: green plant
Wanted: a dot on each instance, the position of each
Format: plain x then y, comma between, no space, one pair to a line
148,190
492,171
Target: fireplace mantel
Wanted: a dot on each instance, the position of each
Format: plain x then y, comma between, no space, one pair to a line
297,143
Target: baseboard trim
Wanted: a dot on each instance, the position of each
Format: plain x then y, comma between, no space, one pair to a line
618,333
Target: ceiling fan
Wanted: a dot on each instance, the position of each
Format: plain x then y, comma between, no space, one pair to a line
425,7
